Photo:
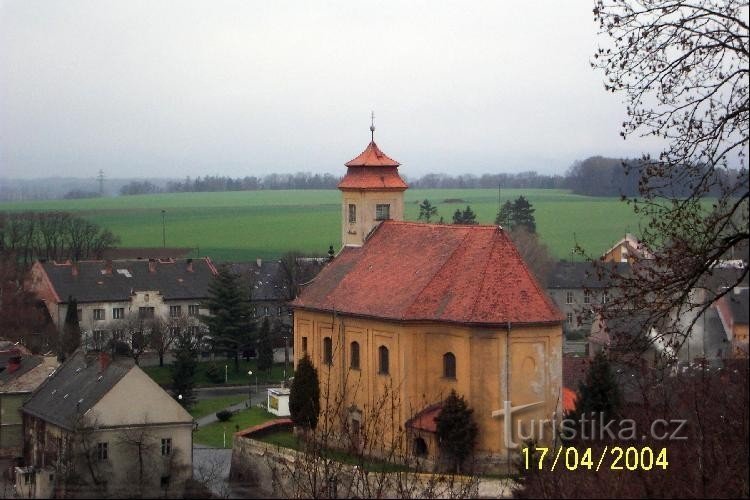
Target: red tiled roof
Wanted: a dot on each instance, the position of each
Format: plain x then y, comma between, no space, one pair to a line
425,419
372,178
372,156
412,272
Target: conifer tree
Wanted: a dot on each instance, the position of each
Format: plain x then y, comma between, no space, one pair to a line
229,323
466,217
456,430
304,397
184,368
523,214
427,211
71,335
265,349
599,392
505,215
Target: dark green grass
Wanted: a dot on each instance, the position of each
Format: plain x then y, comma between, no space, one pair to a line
163,374
265,224
209,406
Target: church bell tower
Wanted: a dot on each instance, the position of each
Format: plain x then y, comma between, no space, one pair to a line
371,191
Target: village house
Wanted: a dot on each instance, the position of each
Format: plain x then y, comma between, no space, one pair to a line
111,294
732,309
627,250
100,427
406,312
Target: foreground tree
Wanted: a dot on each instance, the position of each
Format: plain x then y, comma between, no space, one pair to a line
184,368
599,393
523,214
505,215
71,334
304,398
683,70
456,430
229,322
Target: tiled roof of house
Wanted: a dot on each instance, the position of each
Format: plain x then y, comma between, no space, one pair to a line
106,281
372,156
425,420
76,386
32,371
410,271
584,274
264,278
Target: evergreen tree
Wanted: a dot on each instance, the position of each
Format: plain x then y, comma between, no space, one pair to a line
505,215
466,217
427,211
184,368
304,397
456,430
71,335
229,322
523,214
265,349
599,392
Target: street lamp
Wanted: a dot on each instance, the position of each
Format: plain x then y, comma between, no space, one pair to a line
249,386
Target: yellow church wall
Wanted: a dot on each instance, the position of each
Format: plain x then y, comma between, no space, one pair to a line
354,233
533,355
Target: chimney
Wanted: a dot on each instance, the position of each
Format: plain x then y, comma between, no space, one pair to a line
14,363
258,262
108,266
104,361
74,268
152,265
190,265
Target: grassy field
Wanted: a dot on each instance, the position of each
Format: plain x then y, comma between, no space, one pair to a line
209,406
251,224
214,434
163,374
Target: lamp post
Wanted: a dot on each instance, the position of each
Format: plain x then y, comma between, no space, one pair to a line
249,386
163,229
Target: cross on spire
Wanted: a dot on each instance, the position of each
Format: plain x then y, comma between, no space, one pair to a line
372,126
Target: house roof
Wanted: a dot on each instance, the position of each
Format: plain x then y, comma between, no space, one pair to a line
584,274
267,277
106,281
76,386
33,370
429,272
425,420
634,246
739,305
372,156
373,178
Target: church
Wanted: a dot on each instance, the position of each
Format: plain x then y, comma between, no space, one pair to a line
407,311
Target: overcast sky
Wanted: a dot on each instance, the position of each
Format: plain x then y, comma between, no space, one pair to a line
168,89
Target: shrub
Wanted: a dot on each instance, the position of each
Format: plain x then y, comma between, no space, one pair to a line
214,373
223,415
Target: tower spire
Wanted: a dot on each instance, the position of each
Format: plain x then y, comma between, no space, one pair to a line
372,126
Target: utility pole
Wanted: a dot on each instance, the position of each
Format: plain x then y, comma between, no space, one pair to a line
163,229
100,178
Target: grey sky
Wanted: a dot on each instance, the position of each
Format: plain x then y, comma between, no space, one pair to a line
168,89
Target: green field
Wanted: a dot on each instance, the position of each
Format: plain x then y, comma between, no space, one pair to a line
208,406
264,224
220,434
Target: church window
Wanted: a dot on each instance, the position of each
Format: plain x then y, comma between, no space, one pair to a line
354,355
383,362
449,365
327,351
382,212
304,344
352,213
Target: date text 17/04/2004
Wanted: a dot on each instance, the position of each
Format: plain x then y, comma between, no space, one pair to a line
615,458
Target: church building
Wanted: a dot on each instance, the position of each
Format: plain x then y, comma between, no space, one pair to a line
407,311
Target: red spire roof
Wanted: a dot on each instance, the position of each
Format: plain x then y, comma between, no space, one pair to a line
415,272
372,156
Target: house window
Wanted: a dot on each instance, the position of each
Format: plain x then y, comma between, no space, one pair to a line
449,365
98,314
278,311
175,311
145,312
304,344
118,334
165,481
587,297
569,318
166,447
255,312
382,212
99,336
354,355
79,314
193,331
174,331
193,310
352,213
265,311
327,351
383,364
102,451
605,297
569,298
118,312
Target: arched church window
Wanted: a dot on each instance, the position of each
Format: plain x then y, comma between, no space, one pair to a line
449,365
383,362
354,355
327,351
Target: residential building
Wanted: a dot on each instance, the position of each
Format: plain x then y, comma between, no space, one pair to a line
626,250
112,293
732,310
412,311
102,427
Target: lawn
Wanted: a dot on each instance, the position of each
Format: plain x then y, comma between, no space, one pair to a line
220,434
265,224
163,374
286,439
208,406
